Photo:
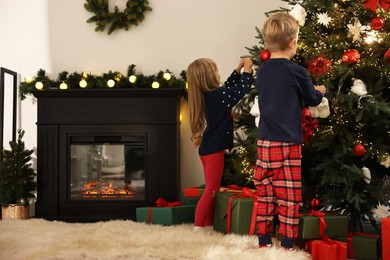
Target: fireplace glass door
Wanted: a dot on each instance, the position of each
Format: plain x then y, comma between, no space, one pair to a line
107,167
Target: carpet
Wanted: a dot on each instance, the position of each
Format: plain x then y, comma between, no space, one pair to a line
124,239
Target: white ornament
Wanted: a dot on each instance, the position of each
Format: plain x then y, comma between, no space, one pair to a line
355,29
324,19
359,88
255,111
322,110
386,161
299,13
381,212
366,175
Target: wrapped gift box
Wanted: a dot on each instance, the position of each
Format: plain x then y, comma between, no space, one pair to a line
193,191
336,226
386,239
189,200
362,246
241,213
326,249
166,216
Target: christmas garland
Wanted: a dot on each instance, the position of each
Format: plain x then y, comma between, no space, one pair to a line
131,15
110,80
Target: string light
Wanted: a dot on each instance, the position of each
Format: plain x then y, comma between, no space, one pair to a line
29,79
83,83
39,85
63,85
167,75
110,83
246,166
133,79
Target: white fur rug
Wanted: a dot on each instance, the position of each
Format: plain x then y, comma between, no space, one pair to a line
40,239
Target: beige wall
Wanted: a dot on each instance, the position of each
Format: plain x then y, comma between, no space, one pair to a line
53,35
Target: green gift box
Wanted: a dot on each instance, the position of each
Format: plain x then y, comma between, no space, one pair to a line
189,201
336,226
194,191
166,216
362,247
241,213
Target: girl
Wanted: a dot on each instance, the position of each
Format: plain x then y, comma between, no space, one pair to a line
210,106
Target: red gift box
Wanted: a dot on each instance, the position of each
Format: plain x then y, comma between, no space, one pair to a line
327,248
193,192
386,239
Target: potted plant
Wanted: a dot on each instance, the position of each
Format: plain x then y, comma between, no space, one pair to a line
17,180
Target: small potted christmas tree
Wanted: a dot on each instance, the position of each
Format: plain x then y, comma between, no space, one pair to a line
17,180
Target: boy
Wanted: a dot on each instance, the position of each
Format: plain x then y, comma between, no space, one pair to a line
282,85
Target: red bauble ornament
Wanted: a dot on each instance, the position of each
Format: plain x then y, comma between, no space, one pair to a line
387,56
265,55
359,150
377,23
315,203
351,56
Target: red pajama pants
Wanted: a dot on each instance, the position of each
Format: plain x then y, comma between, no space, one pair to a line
278,181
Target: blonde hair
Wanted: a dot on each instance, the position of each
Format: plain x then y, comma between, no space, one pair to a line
278,30
202,77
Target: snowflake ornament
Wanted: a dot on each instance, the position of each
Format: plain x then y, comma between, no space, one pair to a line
381,212
366,175
299,13
354,29
255,111
385,161
324,19
359,88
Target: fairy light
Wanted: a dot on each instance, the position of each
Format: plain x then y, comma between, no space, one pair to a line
83,83
63,85
110,83
246,166
133,79
167,76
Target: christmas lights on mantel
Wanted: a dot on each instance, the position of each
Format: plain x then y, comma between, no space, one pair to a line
110,80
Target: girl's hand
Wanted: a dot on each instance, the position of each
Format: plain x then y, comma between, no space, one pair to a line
248,62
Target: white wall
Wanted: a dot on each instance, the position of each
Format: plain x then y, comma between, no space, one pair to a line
53,35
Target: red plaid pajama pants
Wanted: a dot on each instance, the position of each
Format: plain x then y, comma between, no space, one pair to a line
278,180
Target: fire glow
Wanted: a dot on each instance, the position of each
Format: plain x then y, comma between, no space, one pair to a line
102,189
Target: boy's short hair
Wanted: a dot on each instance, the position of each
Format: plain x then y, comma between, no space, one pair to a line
278,30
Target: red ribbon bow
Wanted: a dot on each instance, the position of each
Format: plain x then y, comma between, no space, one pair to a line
374,4
309,124
160,202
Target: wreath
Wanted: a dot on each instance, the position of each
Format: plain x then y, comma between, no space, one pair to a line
131,15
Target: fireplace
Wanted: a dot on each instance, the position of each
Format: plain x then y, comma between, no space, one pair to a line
104,152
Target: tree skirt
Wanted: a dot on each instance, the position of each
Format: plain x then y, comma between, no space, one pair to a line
119,239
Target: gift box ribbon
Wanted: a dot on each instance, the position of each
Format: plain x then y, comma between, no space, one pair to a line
245,193
351,253
160,202
341,252
321,219
198,191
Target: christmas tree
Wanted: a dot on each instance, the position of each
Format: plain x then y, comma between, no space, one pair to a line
345,45
17,177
